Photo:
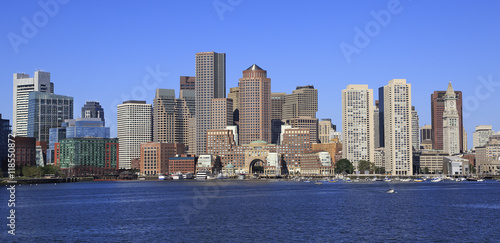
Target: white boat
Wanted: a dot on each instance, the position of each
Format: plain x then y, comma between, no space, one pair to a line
374,179
202,175
390,191
241,177
221,176
162,177
386,179
406,180
480,180
177,177
437,179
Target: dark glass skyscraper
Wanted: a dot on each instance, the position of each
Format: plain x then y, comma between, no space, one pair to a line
92,109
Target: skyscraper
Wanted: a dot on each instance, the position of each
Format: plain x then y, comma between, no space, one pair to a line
415,126
277,102
398,127
302,102
357,124
164,116
222,113
187,83
184,111
234,94
325,127
23,84
134,126
482,135
46,111
437,109
451,130
255,106
210,84
92,109
305,122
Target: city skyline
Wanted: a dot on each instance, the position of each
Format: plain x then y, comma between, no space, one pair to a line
428,65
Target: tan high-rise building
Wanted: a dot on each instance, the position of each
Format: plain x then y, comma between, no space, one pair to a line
358,131
171,116
134,126
325,128
398,127
302,102
187,83
164,116
277,102
234,94
210,84
255,106
222,113
191,145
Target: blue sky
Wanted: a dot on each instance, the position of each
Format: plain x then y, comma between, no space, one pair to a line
105,50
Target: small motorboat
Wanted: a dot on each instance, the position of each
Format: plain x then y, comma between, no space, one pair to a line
390,191
480,180
418,180
318,183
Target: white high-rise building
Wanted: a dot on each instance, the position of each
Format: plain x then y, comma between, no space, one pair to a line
398,127
134,126
210,84
482,135
22,85
451,129
358,141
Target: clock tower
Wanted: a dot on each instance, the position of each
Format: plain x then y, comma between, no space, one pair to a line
451,131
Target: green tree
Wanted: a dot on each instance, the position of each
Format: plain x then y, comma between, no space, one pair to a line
50,169
379,170
364,165
426,170
344,166
31,171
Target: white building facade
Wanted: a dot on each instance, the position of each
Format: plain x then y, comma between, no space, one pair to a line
451,129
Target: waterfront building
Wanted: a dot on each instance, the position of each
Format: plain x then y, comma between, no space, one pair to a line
155,157
135,164
428,161
25,152
482,135
308,123
302,102
455,166
92,109
255,105
187,83
333,148
87,156
46,111
398,127
488,157
22,86
4,142
222,113
260,153
134,127
295,141
415,126
207,162
222,143
379,157
183,164
357,124
210,84
316,163
437,109
452,142
426,137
